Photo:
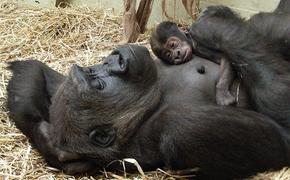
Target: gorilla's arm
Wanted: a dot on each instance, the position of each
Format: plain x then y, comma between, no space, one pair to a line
29,92
29,97
283,7
275,29
223,142
263,70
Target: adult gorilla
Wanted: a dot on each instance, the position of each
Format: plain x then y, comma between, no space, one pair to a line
125,108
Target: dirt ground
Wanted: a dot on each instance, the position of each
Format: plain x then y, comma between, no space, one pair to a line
59,38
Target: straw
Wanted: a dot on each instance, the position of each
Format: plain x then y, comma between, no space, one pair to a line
59,38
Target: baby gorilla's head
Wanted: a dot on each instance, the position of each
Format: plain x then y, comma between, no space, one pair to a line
170,43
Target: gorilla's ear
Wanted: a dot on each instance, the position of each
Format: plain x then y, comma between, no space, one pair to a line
103,136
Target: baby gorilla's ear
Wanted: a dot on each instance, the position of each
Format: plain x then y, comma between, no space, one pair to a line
103,136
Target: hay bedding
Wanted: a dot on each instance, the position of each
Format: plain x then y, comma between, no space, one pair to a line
59,38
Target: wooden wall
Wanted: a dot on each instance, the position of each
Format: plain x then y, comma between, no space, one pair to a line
174,7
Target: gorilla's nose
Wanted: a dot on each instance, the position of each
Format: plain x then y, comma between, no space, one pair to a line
95,69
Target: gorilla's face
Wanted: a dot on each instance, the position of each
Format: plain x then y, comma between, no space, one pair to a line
127,69
103,99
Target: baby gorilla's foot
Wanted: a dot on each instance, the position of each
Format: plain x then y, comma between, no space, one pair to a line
224,97
216,11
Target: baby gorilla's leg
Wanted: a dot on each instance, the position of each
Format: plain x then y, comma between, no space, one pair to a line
223,95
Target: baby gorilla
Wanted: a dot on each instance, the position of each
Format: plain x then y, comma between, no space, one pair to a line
174,45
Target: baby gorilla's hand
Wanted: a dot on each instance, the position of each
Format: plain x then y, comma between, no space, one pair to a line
224,97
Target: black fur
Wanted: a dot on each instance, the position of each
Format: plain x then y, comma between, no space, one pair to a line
283,7
258,50
29,97
125,106
38,84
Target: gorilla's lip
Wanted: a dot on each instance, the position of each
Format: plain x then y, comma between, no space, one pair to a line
83,71
87,77
77,70
78,73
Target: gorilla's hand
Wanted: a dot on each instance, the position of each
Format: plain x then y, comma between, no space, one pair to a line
69,162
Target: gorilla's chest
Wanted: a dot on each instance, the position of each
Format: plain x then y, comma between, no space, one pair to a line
192,81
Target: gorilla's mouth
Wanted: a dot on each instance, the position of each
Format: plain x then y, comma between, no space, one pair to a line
87,76
78,74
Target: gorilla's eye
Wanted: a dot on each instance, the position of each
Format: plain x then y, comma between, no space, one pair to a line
103,136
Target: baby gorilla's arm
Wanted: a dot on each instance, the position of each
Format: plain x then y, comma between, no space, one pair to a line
227,75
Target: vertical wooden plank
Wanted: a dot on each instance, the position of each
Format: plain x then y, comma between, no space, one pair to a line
246,8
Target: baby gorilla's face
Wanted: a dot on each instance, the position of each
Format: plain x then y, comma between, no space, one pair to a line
177,51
